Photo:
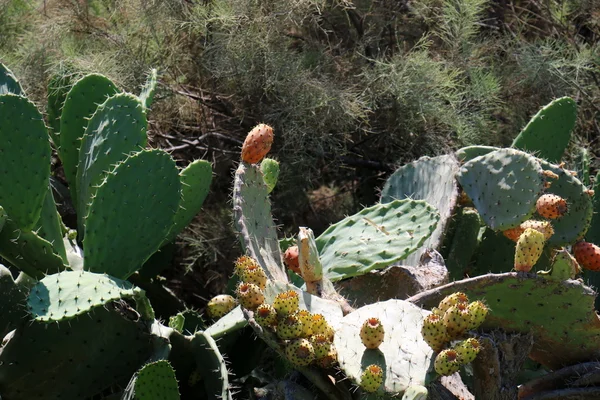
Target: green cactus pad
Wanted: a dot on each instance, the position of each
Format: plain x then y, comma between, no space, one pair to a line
470,152
156,381
253,220
12,298
429,179
80,104
375,237
404,356
593,233
195,184
574,224
74,360
464,243
147,94
8,82
65,295
49,226
117,128
548,133
270,171
504,186
58,88
559,314
212,366
3,218
25,160
582,165
28,252
131,213
229,323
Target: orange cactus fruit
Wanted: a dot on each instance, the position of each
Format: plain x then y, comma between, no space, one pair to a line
587,255
551,206
257,144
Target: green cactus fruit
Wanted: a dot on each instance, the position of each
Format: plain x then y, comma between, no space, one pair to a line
321,344
286,303
478,312
371,378
467,350
220,305
306,318
300,352
270,171
551,206
542,226
289,327
266,316
529,249
329,360
434,332
249,295
457,319
452,300
447,362
156,381
321,326
177,322
253,273
372,333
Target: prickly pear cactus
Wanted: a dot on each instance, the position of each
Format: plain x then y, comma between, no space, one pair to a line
375,237
12,298
504,186
156,381
432,180
9,82
147,94
404,356
548,133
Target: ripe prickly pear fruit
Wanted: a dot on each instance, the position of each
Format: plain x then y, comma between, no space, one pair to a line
478,312
306,318
467,350
289,327
372,333
300,352
329,360
371,378
434,332
242,263
290,258
457,319
587,255
551,206
266,316
220,305
257,144
529,249
321,344
452,300
286,303
321,326
249,295
542,226
447,362
254,273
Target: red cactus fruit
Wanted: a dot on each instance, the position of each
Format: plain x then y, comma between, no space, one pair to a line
587,255
257,144
290,257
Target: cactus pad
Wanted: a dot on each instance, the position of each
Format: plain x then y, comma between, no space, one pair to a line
80,104
65,295
73,360
8,82
147,94
195,184
504,186
253,220
49,226
429,179
574,224
559,314
549,131
117,128
156,381
404,356
212,365
375,237
13,299
131,213
24,160
470,152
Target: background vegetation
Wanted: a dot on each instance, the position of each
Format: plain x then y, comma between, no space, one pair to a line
353,89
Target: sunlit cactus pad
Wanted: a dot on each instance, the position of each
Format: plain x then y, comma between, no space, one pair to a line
70,293
404,356
375,237
503,185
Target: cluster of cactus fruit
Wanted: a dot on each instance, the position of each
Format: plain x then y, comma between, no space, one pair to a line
474,207
449,322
